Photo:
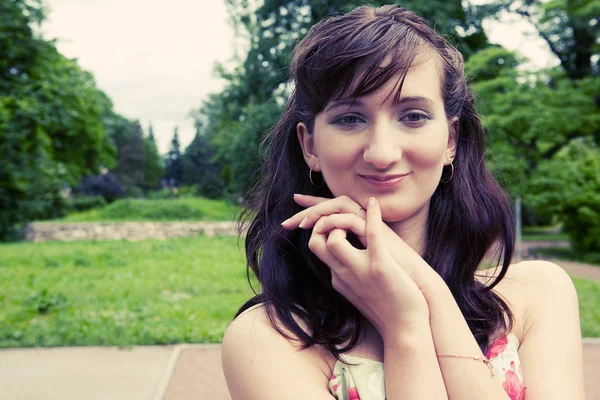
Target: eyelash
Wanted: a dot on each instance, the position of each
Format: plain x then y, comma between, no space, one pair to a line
422,117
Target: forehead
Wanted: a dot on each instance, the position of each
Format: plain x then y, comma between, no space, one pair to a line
422,79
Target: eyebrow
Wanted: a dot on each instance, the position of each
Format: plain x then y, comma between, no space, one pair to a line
358,102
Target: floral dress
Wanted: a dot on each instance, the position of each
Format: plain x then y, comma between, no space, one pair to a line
365,381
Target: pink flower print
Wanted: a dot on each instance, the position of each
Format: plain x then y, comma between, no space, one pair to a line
332,377
512,364
497,347
513,386
353,394
335,388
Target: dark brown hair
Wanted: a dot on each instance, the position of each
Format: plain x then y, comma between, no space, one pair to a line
343,57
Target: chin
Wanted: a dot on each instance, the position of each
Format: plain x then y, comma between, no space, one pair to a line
391,215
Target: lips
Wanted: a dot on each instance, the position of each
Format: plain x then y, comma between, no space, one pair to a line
383,181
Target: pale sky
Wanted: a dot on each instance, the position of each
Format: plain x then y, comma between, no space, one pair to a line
155,59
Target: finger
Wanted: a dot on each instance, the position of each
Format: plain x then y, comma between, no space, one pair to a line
338,245
306,200
307,218
374,227
318,245
346,222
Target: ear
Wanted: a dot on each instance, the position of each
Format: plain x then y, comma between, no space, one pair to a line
307,142
452,140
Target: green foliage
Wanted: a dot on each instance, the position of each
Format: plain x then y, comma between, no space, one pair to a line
132,158
178,209
128,293
570,28
154,169
588,293
48,107
44,302
566,253
568,185
198,168
83,203
173,166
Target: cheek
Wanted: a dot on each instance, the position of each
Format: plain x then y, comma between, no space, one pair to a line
430,153
336,154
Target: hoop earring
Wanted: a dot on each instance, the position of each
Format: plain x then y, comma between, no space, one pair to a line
451,174
311,179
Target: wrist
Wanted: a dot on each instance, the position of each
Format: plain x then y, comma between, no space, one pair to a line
408,335
433,287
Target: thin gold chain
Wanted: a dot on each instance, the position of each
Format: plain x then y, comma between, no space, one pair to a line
485,360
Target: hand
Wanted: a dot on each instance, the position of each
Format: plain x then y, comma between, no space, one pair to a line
370,279
341,213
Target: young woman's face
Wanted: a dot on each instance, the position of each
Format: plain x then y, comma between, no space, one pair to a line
371,147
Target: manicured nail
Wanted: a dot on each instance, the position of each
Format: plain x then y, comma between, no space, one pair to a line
371,201
302,222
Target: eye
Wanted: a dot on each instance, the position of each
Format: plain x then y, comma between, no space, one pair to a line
415,118
347,120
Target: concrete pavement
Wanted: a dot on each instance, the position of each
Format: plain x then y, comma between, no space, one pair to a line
182,372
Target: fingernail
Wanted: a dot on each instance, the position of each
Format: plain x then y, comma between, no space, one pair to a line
302,222
371,201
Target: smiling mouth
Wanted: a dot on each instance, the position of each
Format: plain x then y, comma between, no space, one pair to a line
383,181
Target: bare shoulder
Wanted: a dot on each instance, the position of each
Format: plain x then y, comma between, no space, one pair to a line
529,279
538,282
528,287
255,356
550,336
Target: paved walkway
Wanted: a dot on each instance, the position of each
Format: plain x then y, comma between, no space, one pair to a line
182,372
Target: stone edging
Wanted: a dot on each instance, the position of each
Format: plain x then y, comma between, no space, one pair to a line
69,231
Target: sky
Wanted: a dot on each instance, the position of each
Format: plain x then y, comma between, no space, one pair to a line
155,59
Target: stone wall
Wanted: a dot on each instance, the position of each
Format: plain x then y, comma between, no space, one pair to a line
44,231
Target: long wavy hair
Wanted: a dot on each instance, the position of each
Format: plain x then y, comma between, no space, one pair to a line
347,56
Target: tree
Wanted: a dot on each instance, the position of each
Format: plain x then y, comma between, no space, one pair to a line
570,28
51,121
569,186
527,114
198,167
132,160
173,167
151,134
153,168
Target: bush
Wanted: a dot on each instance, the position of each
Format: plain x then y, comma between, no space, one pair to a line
569,186
106,185
83,203
182,209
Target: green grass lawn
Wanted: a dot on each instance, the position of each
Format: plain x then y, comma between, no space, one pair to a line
589,307
567,253
543,233
180,209
119,293
140,293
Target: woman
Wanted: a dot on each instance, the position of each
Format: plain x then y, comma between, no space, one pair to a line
374,216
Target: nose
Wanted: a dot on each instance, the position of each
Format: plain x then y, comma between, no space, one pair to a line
383,147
